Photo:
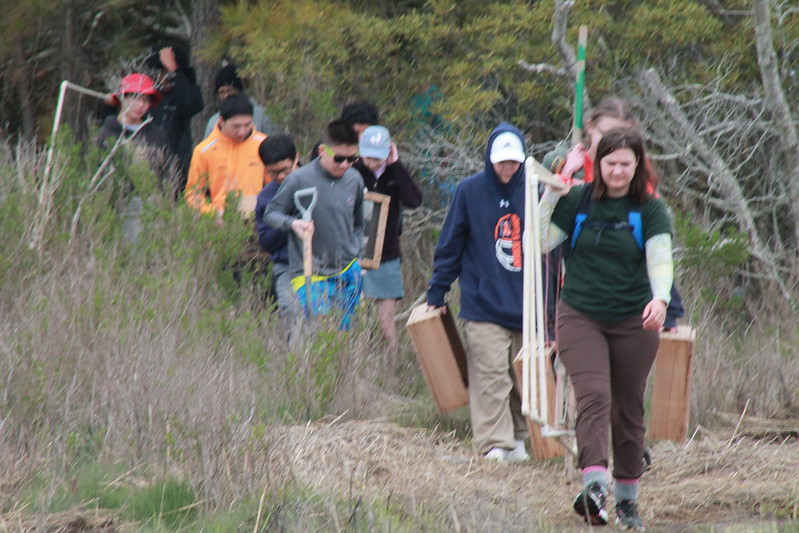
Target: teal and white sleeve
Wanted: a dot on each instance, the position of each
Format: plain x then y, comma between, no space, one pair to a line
660,266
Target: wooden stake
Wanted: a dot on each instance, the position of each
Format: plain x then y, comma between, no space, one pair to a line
579,86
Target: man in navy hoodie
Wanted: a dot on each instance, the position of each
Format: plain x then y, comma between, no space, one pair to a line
481,244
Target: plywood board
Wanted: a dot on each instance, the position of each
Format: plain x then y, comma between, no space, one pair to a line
441,356
671,386
541,448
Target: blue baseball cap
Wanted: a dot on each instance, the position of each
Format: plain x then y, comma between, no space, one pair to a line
375,142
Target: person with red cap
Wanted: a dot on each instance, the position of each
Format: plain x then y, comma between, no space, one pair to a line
136,96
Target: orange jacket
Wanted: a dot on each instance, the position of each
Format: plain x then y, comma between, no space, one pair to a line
220,165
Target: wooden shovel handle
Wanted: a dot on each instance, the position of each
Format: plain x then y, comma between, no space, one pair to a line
307,254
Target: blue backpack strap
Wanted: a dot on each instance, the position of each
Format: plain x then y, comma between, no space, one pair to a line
634,218
578,226
582,212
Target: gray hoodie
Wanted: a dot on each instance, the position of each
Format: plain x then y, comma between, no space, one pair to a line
337,217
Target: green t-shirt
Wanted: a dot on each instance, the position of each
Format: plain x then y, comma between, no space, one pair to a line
606,276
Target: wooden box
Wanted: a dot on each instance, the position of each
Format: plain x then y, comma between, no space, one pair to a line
671,386
376,229
441,355
541,448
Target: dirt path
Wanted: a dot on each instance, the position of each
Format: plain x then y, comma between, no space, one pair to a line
710,482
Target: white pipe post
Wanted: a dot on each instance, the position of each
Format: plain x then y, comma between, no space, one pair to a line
529,257
44,186
540,320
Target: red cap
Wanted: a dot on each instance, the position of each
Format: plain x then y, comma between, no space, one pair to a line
137,84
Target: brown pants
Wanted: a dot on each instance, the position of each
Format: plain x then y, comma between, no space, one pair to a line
495,404
608,363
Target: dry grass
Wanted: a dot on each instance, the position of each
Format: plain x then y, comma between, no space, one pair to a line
711,481
150,358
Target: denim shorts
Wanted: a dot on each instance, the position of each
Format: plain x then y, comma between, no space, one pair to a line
385,282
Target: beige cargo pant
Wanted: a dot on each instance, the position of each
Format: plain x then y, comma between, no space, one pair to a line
494,400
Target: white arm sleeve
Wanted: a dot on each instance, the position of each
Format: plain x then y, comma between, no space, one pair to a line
551,235
660,266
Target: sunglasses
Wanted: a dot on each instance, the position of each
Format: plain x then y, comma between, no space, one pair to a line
340,158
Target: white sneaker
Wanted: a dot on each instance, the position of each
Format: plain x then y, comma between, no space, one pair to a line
518,454
498,454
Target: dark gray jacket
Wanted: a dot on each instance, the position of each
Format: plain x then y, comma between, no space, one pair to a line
337,217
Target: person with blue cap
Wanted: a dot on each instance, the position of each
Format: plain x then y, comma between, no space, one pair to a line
384,173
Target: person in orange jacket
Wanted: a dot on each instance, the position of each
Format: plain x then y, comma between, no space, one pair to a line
227,161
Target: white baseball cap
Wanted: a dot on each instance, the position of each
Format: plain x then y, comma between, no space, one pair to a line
507,147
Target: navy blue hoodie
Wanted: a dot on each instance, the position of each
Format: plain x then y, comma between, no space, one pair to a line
481,242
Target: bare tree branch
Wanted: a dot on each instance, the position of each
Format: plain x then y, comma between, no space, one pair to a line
777,104
721,178
559,25
539,68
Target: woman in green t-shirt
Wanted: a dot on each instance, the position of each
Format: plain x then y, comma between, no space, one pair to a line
612,307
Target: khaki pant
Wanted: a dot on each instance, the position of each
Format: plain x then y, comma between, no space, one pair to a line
494,400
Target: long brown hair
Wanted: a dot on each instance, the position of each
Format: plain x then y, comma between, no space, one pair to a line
624,138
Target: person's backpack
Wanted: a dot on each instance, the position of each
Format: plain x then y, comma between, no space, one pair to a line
633,223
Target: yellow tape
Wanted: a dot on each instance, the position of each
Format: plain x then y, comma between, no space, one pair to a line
299,281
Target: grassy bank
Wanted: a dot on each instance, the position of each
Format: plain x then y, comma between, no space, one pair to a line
140,379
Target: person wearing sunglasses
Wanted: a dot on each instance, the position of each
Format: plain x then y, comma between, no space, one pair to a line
336,237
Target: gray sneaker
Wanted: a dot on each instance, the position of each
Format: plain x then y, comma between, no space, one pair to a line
627,516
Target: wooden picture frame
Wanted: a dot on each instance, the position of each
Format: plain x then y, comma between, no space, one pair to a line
376,229
541,447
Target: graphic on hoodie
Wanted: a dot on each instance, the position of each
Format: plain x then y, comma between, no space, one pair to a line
508,247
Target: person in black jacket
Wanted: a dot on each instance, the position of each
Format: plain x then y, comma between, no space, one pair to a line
383,172
360,115
137,95
182,100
